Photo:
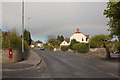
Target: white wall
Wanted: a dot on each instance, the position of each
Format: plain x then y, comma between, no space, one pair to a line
79,37
40,44
64,43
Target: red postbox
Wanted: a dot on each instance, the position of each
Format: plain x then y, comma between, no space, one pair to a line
10,53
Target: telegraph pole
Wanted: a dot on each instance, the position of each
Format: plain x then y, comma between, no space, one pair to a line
22,27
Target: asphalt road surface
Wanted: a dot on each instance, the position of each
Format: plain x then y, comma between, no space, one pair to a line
61,65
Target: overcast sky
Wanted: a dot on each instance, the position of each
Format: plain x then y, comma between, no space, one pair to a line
56,18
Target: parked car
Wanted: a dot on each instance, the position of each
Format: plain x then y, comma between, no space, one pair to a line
42,48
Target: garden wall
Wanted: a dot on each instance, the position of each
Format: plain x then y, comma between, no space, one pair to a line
17,56
100,52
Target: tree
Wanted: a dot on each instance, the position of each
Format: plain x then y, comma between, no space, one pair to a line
96,41
54,42
27,37
73,41
108,56
13,40
113,13
60,38
0,39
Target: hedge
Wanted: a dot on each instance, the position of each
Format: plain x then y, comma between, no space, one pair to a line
49,47
81,47
64,48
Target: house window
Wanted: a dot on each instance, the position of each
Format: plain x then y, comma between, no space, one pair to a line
82,39
86,39
64,42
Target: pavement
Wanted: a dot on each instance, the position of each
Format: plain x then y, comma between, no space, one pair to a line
32,61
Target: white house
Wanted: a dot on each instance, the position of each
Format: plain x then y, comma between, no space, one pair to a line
80,37
39,43
65,43
32,46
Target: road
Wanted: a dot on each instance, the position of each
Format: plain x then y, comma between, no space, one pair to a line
61,65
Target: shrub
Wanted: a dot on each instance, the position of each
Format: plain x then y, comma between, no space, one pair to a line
81,47
117,46
64,48
73,41
57,47
96,41
49,47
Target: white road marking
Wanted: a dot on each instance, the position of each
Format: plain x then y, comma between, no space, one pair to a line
114,75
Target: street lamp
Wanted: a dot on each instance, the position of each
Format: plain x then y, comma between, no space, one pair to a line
28,23
28,30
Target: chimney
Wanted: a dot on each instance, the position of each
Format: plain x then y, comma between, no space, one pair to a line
78,30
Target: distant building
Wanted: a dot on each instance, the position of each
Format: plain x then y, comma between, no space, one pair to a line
80,37
39,43
32,46
4,32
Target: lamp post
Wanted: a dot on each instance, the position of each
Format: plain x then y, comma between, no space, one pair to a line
28,30
22,27
28,22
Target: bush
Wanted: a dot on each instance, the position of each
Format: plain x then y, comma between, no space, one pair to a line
57,47
96,41
117,46
73,41
81,47
49,47
64,48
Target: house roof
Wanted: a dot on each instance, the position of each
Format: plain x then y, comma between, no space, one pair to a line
78,31
38,41
67,40
87,36
4,32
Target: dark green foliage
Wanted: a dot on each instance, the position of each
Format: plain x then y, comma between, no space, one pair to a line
27,37
73,41
54,42
81,47
49,47
64,48
60,38
96,41
14,41
113,13
117,46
